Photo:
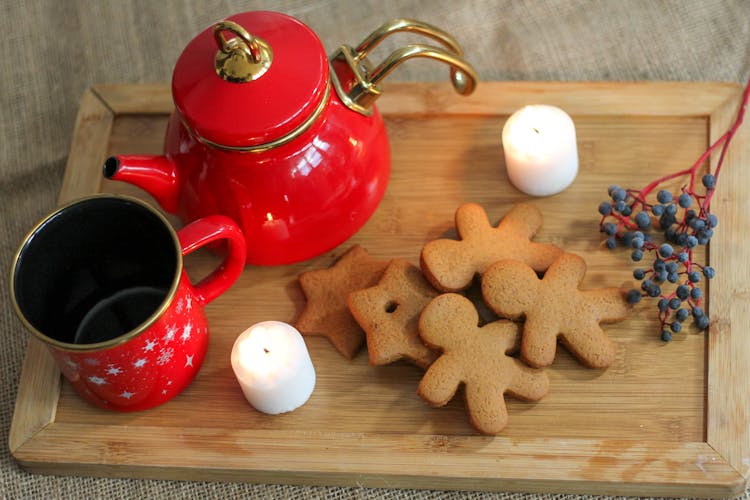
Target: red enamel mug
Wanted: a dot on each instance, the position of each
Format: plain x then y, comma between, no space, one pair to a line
101,282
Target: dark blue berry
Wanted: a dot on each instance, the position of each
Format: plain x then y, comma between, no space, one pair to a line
702,322
698,312
681,239
647,285
697,224
666,221
681,314
618,194
671,267
627,211
627,238
663,305
691,241
637,255
673,277
657,210
605,208
611,189
664,196
661,277
690,215
682,292
660,265
619,206
674,303
671,209
611,243
685,200
709,272
609,228
666,336
676,326
696,293
642,220
639,274
655,291
694,276
712,220
682,257
709,181
634,296
666,250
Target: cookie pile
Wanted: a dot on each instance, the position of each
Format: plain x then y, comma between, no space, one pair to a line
423,316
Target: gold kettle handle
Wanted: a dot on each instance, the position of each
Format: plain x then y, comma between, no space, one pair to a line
356,80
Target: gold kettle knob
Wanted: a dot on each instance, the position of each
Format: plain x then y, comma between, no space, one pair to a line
244,57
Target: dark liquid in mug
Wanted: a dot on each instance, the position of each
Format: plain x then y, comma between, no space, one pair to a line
118,314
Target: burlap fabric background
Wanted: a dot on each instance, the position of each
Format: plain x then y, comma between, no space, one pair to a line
52,50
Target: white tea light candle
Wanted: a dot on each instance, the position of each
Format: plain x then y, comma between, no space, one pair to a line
273,367
541,155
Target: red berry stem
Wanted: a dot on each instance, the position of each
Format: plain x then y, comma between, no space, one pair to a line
724,140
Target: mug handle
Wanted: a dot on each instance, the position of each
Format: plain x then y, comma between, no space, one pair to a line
207,230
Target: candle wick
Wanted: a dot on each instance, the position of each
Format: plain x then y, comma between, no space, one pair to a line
535,130
266,350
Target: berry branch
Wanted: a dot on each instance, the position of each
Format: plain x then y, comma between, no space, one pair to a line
686,222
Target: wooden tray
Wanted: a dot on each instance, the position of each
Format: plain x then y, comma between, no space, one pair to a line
667,419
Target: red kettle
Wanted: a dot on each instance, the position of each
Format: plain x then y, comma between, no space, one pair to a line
270,132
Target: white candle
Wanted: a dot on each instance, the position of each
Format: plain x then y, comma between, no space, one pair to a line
273,367
541,155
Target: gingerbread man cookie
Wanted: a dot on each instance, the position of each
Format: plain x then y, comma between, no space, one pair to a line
478,358
389,313
326,313
450,265
555,308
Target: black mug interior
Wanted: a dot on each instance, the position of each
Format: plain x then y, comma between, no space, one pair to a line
95,270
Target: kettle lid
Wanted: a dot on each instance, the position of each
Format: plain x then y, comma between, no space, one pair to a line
254,88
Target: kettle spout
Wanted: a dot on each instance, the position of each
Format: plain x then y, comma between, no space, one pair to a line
157,175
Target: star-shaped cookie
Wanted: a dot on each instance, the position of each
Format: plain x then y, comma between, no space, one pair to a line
450,265
326,313
389,313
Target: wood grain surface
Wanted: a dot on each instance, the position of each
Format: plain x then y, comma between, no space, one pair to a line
666,419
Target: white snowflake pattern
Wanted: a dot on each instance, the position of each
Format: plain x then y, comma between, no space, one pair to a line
91,361
113,370
188,303
186,332
180,305
165,355
97,380
149,346
127,394
72,364
163,392
140,362
169,382
169,336
189,360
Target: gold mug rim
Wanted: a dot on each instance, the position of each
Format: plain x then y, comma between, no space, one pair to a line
120,339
